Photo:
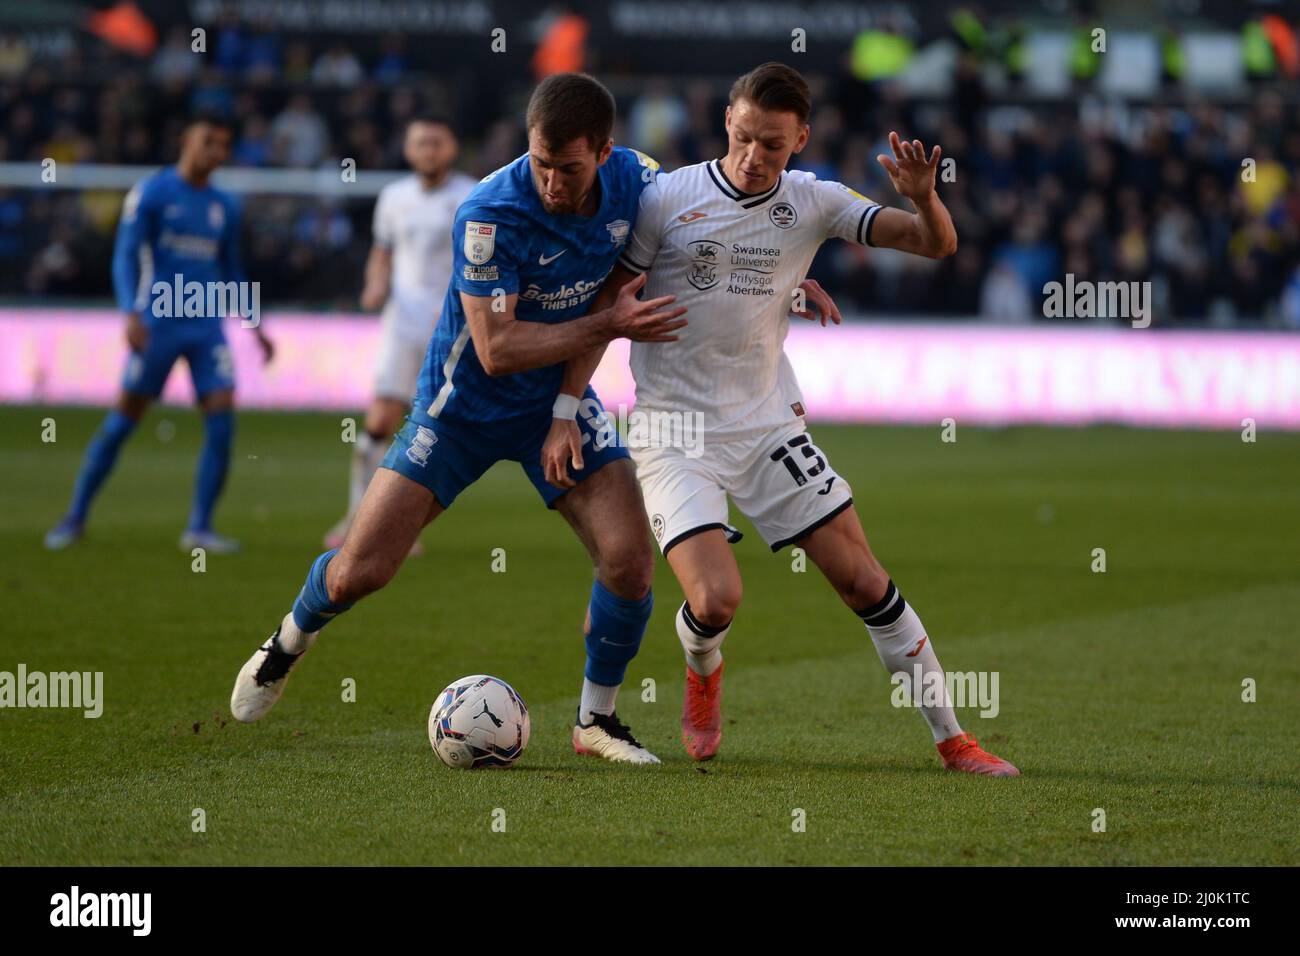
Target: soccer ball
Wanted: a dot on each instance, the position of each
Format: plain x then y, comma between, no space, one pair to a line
479,721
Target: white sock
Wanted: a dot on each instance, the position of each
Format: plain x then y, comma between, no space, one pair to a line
702,644
366,456
902,644
596,699
292,639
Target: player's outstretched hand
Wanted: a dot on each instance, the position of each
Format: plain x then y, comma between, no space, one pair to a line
137,333
563,444
648,321
910,172
823,306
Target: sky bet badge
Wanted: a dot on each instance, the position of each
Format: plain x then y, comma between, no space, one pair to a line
480,241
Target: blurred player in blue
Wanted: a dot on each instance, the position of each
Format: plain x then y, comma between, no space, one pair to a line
176,230
532,244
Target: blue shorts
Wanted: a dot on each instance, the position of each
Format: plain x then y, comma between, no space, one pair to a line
202,343
448,456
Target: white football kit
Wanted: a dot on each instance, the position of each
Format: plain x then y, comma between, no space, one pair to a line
415,223
734,260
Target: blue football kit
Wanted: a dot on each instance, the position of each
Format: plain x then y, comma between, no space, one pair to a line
463,420
181,236
504,242
175,264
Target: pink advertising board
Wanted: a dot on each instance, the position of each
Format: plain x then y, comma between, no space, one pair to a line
920,373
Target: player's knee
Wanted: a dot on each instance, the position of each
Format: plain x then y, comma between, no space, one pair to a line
352,578
384,418
133,406
215,402
715,603
865,586
628,570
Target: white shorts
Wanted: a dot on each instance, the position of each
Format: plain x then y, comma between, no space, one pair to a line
780,481
397,366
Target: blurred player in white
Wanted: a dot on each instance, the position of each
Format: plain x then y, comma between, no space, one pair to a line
732,239
407,275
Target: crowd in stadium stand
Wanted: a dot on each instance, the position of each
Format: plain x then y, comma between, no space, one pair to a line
1102,190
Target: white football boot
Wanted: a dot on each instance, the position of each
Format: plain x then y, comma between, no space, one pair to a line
209,541
262,679
607,736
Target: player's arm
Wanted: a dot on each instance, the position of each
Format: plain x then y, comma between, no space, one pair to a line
232,268
634,262
379,275
506,345
133,229
927,232
579,369
564,441
485,274
379,264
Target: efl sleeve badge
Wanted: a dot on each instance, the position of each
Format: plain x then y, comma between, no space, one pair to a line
480,241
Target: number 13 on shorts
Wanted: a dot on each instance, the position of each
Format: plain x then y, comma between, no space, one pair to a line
796,455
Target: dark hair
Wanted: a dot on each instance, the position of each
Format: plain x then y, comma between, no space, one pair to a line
211,118
433,119
775,86
569,106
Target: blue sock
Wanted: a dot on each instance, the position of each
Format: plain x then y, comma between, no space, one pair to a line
617,626
100,457
214,462
314,609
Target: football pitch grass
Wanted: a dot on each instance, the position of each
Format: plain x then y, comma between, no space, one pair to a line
1119,691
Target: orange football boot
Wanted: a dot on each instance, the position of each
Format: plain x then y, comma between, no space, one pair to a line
964,753
702,714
